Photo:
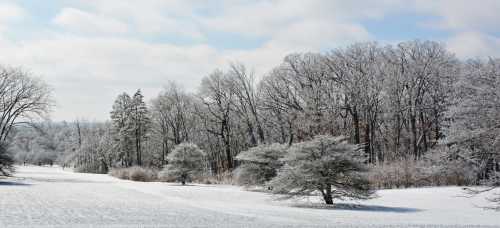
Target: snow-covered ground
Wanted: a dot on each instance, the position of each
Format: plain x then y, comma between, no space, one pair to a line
51,197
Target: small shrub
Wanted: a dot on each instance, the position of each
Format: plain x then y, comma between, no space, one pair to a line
135,173
164,176
428,172
222,178
120,173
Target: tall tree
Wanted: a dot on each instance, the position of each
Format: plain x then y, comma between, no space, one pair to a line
216,97
139,122
22,98
173,117
120,117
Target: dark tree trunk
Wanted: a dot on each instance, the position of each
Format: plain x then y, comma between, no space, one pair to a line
368,151
424,132
355,120
413,127
327,195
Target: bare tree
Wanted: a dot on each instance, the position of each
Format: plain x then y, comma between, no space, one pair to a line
173,117
22,98
216,98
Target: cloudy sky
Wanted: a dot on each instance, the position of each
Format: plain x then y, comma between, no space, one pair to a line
90,50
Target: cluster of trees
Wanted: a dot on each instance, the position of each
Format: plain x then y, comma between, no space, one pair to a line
130,120
412,101
325,164
23,98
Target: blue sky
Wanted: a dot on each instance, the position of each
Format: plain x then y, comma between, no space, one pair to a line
89,50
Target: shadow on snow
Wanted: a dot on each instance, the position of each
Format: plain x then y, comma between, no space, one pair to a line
11,183
359,207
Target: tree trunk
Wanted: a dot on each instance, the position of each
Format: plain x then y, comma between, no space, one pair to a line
413,126
368,143
355,120
327,195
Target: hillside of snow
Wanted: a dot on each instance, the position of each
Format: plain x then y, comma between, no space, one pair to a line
52,197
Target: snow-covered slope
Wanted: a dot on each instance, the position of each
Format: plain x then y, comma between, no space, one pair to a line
51,197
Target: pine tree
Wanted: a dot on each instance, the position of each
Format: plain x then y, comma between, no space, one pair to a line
120,116
185,162
259,164
139,123
325,164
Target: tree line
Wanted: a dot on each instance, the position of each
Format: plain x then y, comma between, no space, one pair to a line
414,101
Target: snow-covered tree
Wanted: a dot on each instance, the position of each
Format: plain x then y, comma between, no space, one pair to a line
139,121
475,117
325,164
259,164
173,119
22,97
473,135
185,162
120,116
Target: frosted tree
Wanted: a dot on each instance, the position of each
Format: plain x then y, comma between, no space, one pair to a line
474,132
185,162
259,164
327,165
216,113
475,116
172,118
242,84
22,98
120,117
139,122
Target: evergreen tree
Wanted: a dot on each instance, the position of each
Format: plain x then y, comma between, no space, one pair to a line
325,164
120,117
185,162
259,164
139,120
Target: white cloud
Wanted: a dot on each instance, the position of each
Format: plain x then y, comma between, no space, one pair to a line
304,36
153,17
264,18
87,73
10,13
474,45
292,26
473,25
84,22
105,47
463,15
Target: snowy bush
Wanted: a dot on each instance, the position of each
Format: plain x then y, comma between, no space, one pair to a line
120,173
164,176
434,169
185,162
135,173
259,164
327,165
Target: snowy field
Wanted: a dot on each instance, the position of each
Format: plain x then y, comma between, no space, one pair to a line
51,197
